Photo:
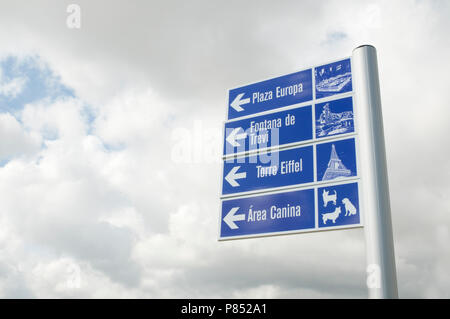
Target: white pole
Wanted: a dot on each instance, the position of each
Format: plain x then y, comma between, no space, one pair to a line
382,278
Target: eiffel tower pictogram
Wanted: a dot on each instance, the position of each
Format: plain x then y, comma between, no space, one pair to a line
335,167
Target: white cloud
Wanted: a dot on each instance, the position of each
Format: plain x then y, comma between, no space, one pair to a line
10,88
61,119
13,87
15,140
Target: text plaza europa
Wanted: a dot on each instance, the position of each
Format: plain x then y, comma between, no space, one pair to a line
258,97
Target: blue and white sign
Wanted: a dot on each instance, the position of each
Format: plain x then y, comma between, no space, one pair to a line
334,117
270,94
333,78
268,214
268,170
338,205
269,130
335,160
306,210
312,182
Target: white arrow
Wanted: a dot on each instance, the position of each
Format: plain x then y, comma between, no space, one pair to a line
234,136
230,218
232,176
237,102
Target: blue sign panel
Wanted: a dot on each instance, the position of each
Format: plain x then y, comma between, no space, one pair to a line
265,214
268,170
336,159
333,78
334,117
338,205
268,130
312,187
270,94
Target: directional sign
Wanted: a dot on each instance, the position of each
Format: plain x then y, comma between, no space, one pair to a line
335,160
270,94
269,170
268,214
314,209
302,157
269,130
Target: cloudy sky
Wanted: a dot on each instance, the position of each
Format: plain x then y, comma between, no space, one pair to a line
110,143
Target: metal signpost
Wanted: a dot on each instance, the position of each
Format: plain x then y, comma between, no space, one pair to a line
305,152
378,228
